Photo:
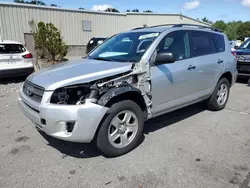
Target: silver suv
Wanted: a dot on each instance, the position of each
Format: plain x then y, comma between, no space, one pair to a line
131,77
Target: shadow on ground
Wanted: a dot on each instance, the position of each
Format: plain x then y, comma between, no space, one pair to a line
168,119
18,79
243,80
79,150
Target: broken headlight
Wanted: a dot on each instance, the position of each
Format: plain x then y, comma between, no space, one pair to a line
70,95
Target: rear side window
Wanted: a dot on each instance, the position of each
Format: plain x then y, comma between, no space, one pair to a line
219,42
11,48
201,43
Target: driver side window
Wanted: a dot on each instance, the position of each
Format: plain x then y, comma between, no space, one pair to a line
176,43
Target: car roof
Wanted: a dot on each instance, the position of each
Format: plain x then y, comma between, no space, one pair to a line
9,42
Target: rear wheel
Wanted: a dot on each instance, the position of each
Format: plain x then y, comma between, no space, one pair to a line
219,98
121,129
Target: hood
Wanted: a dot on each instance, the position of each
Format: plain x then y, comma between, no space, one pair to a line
242,51
77,72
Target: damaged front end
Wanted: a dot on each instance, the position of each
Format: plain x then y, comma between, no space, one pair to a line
103,90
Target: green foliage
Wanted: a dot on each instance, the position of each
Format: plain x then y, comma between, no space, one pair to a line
33,2
150,11
221,25
205,19
48,41
244,30
135,10
111,10
81,8
232,30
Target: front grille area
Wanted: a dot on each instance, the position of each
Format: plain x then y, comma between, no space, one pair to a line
33,91
243,67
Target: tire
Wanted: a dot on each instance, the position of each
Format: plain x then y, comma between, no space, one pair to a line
212,102
109,127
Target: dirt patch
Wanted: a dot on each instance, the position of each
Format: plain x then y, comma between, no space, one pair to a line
72,172
241,167
22,139
21,149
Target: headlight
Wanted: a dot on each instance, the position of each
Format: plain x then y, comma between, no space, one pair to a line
91,42
70,95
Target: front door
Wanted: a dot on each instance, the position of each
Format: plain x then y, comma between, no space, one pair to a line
174,84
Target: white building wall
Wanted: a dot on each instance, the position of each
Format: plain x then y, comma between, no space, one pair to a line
14,21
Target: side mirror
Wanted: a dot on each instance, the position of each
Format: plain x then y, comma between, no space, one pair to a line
236,47
164,58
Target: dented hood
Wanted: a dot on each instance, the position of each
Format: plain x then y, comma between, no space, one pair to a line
77,72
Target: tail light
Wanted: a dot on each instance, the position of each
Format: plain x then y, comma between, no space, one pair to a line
27,56
234,54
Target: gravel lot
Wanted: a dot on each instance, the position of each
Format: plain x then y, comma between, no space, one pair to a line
192,147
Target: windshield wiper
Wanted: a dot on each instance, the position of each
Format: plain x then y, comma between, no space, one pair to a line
101,58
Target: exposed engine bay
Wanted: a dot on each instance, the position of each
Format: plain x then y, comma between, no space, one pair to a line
138,78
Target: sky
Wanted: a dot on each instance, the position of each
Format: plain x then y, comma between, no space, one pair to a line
227,10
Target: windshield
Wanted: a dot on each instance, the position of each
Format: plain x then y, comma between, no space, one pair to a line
124,47
11,48
245,45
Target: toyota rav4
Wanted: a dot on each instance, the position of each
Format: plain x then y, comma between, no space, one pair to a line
130,78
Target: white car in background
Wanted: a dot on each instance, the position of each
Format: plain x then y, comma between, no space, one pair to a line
15,59
234,44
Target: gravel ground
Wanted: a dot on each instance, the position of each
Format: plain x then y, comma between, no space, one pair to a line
191,147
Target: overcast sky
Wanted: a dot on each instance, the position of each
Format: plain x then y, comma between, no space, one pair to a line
213,9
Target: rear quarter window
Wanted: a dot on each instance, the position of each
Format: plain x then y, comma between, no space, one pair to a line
201,43
11,48
218,41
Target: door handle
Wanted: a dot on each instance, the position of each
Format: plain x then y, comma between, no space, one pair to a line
191,67
220,61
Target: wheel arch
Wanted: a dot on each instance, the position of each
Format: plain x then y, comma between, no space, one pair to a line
228,75
118,94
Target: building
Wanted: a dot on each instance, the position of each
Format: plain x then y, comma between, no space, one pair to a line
76,26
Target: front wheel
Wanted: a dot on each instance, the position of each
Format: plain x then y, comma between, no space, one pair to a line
219,98
121,130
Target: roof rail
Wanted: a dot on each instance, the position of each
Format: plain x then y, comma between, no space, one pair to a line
180,25
199,26
138,28
153,26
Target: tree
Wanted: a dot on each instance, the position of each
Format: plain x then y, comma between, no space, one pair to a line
232,29
135,10
81,8
111,10
205,19
244,30
48,41
150,11
33,2
53,5
19,1
127,10
220,25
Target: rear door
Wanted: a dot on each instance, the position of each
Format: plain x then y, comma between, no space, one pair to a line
222,54
208,62
11,55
